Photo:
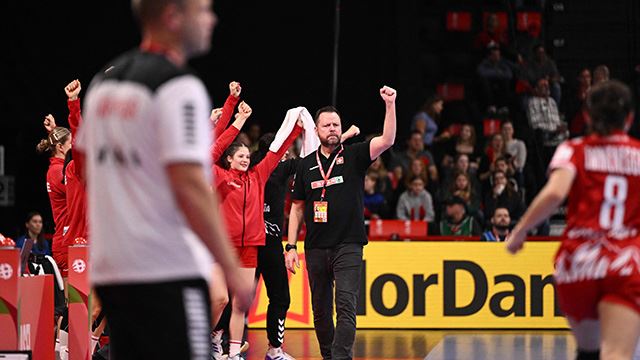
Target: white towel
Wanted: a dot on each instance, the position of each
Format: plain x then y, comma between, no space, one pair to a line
310,140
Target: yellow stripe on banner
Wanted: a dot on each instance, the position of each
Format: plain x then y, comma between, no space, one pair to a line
441,285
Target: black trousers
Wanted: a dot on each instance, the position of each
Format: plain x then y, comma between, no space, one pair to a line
341,265
166,320
271,267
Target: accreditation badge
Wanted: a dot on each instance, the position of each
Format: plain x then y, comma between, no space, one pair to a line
320,211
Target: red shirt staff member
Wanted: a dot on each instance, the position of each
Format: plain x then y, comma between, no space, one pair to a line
57,144
597,267
328,194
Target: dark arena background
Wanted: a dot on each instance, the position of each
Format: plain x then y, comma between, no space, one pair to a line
341,52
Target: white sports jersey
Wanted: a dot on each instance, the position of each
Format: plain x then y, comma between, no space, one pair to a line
140,116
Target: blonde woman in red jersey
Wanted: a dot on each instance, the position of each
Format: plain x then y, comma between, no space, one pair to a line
597,267
57,143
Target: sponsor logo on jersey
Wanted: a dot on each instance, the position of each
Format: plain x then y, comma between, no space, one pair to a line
334,180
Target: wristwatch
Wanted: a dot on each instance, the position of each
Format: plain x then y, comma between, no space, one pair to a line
289,247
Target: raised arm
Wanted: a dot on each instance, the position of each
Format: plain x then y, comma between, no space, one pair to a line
73,104
381,143
353,131
75,119
271,160
222,143
222,117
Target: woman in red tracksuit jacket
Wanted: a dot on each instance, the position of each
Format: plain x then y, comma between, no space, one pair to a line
74,174
241,194
57,143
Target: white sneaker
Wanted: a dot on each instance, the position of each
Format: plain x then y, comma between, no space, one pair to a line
216,349
277,354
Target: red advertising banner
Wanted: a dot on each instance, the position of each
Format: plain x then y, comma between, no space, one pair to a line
36,316
79,327
9,274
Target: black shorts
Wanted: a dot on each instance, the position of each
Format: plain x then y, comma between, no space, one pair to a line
168,320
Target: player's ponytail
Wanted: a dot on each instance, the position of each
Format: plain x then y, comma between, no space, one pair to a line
59,135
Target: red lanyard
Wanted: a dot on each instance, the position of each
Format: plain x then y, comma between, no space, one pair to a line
325,177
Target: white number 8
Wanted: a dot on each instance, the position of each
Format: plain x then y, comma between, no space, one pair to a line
613,199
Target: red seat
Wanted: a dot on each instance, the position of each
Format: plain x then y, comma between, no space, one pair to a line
490,126
397,229
526,19
450,91
459,21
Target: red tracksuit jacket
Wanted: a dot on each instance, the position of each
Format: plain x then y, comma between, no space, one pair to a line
240,193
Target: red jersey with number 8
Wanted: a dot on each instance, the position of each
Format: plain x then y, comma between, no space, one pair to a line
602,201
599,258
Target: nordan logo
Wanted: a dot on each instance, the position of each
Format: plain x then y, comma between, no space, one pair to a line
79,266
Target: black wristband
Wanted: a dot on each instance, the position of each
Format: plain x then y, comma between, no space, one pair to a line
289,247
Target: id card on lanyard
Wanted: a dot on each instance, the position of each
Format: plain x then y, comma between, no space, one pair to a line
321,208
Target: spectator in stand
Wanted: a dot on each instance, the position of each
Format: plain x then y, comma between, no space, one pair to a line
516,150
503,194
499,229
495,150
504,164
384,184
600,74
456,221
464,143
491,35
375,204
415,203
463,188
541,66
549,129
415,150
544,119
577,106
461,165
426,121
417,168
33,236
495,76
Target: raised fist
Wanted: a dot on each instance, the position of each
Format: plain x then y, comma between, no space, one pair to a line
73,89
215,115
388,94
49,123
244,111
235,88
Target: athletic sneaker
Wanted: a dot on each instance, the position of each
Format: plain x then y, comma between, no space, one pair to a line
216,349
236,357
277,354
